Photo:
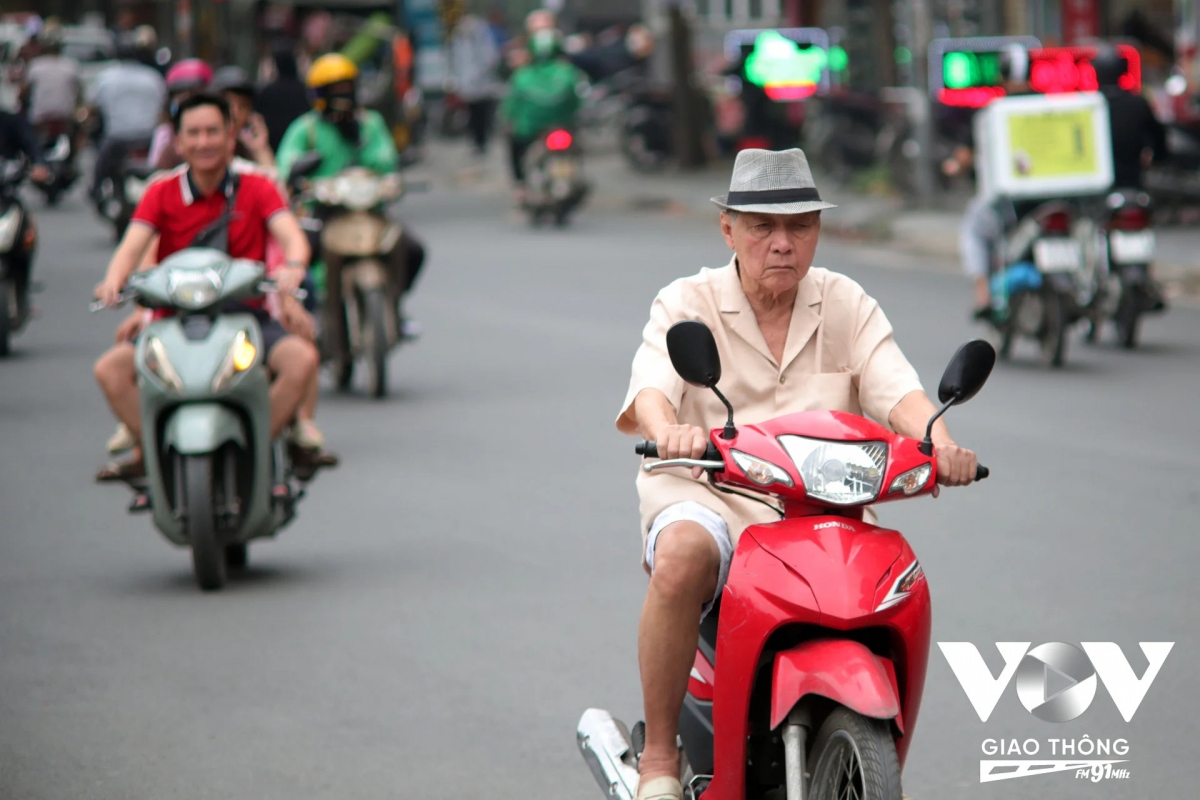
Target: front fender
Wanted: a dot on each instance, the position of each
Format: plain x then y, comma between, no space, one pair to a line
844,671
198,428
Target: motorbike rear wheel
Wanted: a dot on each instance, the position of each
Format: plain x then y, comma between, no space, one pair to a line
1128,317
1053,337
208,554
854,757
7,295
375,338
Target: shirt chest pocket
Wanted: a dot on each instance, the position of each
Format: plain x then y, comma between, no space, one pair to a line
823,391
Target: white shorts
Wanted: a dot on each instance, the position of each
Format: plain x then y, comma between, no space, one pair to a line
706,518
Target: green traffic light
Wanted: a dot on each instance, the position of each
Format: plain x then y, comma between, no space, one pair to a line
838,60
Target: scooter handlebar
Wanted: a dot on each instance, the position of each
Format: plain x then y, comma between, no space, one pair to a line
650,450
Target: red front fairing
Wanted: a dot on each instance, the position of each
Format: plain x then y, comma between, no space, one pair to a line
847,578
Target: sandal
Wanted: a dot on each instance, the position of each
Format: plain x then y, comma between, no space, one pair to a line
666,788
122,471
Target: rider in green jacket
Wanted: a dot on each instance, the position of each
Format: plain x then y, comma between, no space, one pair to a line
348,136
541,95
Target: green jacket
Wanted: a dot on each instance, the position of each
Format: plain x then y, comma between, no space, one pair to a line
376,150
542,95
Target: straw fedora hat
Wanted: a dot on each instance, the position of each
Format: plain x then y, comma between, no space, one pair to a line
772,182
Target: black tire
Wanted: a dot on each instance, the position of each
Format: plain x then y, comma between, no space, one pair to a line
208,555
854,757
237,555
561,216
374,320
345,374
1053,339
6,320
53,196
1129,316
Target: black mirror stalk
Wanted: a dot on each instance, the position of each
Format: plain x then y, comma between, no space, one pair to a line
926,447
730,431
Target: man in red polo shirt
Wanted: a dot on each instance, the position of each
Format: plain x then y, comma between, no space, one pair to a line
176,209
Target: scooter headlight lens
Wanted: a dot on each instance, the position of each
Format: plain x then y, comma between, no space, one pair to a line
764,473
840,473
358,192
195,289
242,356
159,365
912,481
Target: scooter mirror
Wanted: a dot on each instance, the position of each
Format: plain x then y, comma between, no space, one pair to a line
967,372
305,165
693,352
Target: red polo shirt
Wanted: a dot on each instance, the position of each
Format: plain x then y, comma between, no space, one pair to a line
175,209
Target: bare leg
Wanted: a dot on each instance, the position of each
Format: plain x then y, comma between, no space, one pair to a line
294,364
308,405
983,295
117,376
687,563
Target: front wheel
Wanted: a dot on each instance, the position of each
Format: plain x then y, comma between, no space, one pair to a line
854,757
375,337
208,555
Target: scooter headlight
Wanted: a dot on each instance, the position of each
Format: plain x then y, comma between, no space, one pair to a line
159,365
242,356
840,473
195,289
358,192
764,473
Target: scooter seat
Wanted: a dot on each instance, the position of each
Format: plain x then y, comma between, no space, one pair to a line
140,170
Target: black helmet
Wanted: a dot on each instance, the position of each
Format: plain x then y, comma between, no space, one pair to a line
1109,65
232,79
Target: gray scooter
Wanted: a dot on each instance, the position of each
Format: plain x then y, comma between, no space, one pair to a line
211,470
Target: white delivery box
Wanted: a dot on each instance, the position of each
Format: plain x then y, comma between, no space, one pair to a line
1044,146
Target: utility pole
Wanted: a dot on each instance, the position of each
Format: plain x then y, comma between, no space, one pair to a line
687,113
922,29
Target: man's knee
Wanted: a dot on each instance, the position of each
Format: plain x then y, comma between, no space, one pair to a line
687,562
294,356
115,368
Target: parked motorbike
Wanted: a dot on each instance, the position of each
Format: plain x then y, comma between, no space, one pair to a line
120,196
351,226
213,476
1037,287
18,241
554,181
810,669
58,146
1119,244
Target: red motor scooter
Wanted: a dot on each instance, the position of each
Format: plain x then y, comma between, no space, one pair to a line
809,671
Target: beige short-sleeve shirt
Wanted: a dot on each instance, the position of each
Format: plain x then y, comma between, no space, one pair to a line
840,355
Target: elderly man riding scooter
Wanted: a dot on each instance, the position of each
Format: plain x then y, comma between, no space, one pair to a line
190,204
797,338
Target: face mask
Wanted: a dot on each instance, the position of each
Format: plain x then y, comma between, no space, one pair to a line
544,44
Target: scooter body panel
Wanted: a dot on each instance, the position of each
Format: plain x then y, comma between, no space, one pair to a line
197,415
849,578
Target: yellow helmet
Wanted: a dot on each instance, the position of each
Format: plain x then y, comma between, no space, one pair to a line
330,69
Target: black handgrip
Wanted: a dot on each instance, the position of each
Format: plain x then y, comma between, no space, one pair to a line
650,450
981,472
647,449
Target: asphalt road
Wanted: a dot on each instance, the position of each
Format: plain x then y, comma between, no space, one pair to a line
454,596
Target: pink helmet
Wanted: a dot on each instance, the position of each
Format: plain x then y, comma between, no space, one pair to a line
190,73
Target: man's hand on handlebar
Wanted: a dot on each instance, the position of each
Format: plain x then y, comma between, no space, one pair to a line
108,291
956,465
682,441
